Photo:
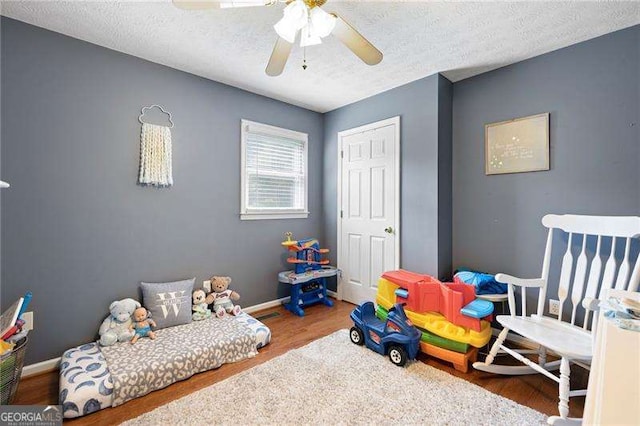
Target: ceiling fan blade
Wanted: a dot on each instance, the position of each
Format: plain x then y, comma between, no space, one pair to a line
355,41
245,3
279,57
217,4
196,4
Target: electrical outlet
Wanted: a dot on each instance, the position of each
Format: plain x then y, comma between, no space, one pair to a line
28,321
554,307
206,284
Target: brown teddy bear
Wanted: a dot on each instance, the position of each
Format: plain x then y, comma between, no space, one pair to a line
222,298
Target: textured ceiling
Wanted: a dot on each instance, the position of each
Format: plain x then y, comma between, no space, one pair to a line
458,39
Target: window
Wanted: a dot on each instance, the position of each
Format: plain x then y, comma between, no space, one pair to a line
274,172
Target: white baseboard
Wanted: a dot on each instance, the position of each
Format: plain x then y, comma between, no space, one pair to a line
40,367
53,364
265,305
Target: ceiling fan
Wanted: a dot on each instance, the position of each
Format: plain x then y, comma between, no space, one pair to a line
299,16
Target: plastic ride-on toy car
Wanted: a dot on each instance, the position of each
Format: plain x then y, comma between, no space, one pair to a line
396,336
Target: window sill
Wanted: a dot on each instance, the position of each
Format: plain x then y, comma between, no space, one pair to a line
279,215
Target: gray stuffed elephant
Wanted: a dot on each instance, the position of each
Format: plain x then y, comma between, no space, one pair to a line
115,328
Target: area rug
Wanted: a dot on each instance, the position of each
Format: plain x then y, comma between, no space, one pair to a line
333,381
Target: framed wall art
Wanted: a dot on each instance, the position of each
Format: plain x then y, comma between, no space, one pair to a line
518,145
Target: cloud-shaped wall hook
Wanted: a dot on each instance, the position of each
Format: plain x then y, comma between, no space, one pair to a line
143,119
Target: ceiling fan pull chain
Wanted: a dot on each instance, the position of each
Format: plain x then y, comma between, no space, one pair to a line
304,58
304,49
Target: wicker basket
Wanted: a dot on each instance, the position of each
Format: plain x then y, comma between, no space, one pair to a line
10,371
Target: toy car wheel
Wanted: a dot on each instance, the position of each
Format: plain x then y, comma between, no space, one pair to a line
356,336
398,355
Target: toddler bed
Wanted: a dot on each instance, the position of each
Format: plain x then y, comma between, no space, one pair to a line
94,377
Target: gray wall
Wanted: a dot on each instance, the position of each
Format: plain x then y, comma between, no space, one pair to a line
419,106
592,91
78,232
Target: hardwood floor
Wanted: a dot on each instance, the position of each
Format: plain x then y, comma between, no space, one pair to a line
289,332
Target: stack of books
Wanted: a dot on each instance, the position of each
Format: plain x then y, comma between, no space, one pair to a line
11,321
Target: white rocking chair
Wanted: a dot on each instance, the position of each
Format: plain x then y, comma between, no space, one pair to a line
582,285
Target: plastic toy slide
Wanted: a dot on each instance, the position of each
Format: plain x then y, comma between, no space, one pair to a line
430,337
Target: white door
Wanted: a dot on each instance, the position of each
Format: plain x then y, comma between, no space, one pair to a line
368,207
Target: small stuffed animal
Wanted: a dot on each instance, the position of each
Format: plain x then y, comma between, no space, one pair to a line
222,298
115,328
142,325
200,308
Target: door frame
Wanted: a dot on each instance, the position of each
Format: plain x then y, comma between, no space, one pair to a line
360,129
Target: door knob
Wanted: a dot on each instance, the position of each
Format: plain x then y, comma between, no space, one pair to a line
388,230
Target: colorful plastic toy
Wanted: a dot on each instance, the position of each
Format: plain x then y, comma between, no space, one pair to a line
459,360
456,301
428,337
459,354
395,337
436,323
307,288
308,254
429,302
448,314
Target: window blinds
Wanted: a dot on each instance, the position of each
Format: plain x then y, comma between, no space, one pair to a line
275,170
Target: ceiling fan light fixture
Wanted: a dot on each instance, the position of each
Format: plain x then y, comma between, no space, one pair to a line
322,22
308,37
295,17
297,14
285,30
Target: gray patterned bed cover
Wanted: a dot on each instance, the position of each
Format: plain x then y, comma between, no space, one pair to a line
87,384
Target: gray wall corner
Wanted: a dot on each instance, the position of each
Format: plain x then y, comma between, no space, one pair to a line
445,176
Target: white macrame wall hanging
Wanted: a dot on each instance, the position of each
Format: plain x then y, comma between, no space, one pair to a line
155,152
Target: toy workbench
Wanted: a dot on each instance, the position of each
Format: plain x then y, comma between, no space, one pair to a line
309,277
307,288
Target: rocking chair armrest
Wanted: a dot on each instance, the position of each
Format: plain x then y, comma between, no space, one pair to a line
520,282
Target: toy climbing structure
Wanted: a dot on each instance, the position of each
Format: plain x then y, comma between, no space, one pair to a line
453,322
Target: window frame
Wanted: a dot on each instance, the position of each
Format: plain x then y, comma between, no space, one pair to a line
246,127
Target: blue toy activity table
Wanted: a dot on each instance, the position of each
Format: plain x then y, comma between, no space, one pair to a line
307,288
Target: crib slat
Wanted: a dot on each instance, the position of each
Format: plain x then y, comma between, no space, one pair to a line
625,268
609,270
594,278
565,275
578,279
